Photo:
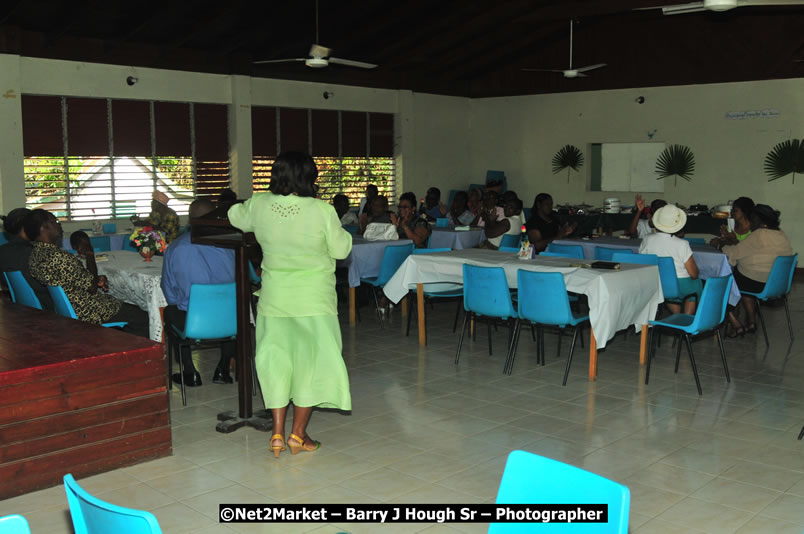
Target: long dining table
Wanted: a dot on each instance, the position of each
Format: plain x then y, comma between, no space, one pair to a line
711,262
617,298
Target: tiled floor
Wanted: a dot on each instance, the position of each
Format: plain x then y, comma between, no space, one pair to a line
425,430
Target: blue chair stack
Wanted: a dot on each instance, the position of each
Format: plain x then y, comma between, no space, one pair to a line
532,479
778,286
442,293
211,318
543,301
392,259
93,516
566,251
708,317
21,291
486,295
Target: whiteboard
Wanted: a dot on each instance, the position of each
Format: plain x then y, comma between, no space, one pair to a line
630,167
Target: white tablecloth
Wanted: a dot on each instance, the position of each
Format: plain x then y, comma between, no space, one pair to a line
456,240
711,262
133,280
617,299
365,259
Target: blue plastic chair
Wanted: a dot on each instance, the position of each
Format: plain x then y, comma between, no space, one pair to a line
21,291
669,279
392,259
605,253
101,243
543,301
14,524
211,318
511,240
709,316
553,254
442,222
631,257
696,240
94,516
532,479
778,286
109,228
3,238
486,294
566,251
509,249
526,212
62,306
351,228
443,293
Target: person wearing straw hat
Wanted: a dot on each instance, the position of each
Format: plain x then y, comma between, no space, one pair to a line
161,217
669,220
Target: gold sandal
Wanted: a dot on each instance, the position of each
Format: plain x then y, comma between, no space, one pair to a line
276,449
295,449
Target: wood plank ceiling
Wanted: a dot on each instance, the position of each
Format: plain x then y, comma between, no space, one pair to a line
472,48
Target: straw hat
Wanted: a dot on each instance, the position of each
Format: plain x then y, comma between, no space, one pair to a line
669,219
160,197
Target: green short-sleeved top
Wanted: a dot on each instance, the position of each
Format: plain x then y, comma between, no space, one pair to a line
301,237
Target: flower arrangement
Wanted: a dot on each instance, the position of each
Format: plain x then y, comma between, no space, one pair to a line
147,240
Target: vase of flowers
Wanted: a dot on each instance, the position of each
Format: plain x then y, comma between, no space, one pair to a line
148,241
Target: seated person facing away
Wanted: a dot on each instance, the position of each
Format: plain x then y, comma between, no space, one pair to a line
642,224
495,228
408,225
433,208
459,213
365,202
226,199
741,213
187,263
161,217
378,213
15,254
752,259
53,266
669,220
341,204
544,226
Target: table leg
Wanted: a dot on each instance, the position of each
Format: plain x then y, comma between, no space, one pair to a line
352,314
643,345
162,317
592,356
404,307
420,310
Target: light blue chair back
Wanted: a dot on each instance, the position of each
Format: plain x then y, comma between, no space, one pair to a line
94,516
712,309
212,312
780,278
696,240
486,292
530,479
442,222
392,259
566,251
351,228
667,274
509,249
542,298
526,212
21,291
552,254
605,253
511,240
14,524
63,307
430,250
630,257
101,243
109,228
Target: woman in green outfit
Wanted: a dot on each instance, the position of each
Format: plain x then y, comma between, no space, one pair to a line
299,344
741,213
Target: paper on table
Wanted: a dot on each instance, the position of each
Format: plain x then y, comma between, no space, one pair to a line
462,228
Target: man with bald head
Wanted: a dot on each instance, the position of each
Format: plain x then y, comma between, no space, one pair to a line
187,263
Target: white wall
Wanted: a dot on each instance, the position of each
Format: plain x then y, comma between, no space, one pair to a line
521,134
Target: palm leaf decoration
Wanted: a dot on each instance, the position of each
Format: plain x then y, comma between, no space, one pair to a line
785,158
676,160
569,157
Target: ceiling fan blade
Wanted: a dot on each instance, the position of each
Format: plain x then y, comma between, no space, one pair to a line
592,67
543,70
264,62
581,75
680,9
319,51
352,63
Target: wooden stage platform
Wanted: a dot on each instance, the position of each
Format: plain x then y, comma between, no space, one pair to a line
75,398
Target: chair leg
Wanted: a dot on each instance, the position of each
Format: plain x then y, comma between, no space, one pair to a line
723,355
692,363
541,344
652,340
509,359
677,343
377,305
489,328
463,331
801,434
533,332
787,312
457,314
411,307
569,359
762,322
170,360
181,374
560,337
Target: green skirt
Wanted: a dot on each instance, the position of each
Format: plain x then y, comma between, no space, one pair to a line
300,359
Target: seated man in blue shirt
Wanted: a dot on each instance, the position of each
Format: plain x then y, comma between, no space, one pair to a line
185,264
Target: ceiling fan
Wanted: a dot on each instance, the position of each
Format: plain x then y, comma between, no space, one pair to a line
570,72
721,5
319,56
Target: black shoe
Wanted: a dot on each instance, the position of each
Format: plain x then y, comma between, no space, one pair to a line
221,377
190,379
